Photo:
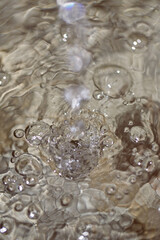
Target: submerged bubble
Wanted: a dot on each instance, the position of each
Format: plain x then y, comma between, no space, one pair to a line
71,12
111,189
18,207
113,80
28,164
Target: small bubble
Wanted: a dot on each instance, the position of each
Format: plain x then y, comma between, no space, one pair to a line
19,133
130,123
33,212
4,79
5,226
21,187
6,179
138,134
98,95
132,179
31,180
126,130
111,189
15,154
36,131
18,207
11,187
107,141
155,147
66,199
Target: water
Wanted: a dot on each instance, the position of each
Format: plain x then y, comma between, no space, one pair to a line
80,120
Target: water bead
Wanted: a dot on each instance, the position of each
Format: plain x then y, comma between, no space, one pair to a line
18,207
31,180
28,164
71,12
113,80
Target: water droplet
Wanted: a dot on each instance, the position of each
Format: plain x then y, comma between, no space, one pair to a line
113,80
11,187
19,133
28,164
20,187
71,12
138,134
66,199
111,189
4,79
98,95
36,131
126,221
33,212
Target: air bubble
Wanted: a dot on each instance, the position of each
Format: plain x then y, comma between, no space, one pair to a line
28,164
138,134
137,42
5,226
4,79
111,189
33,212
66,199
107,142
132,179
113,80
19,133
36,131
98,95
18,207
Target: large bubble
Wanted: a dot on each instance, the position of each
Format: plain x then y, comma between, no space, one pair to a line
113,80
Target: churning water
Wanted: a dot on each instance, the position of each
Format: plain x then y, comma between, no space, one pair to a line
79,120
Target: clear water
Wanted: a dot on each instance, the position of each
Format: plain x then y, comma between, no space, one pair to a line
79,120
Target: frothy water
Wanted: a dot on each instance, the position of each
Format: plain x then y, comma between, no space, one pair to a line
79,120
